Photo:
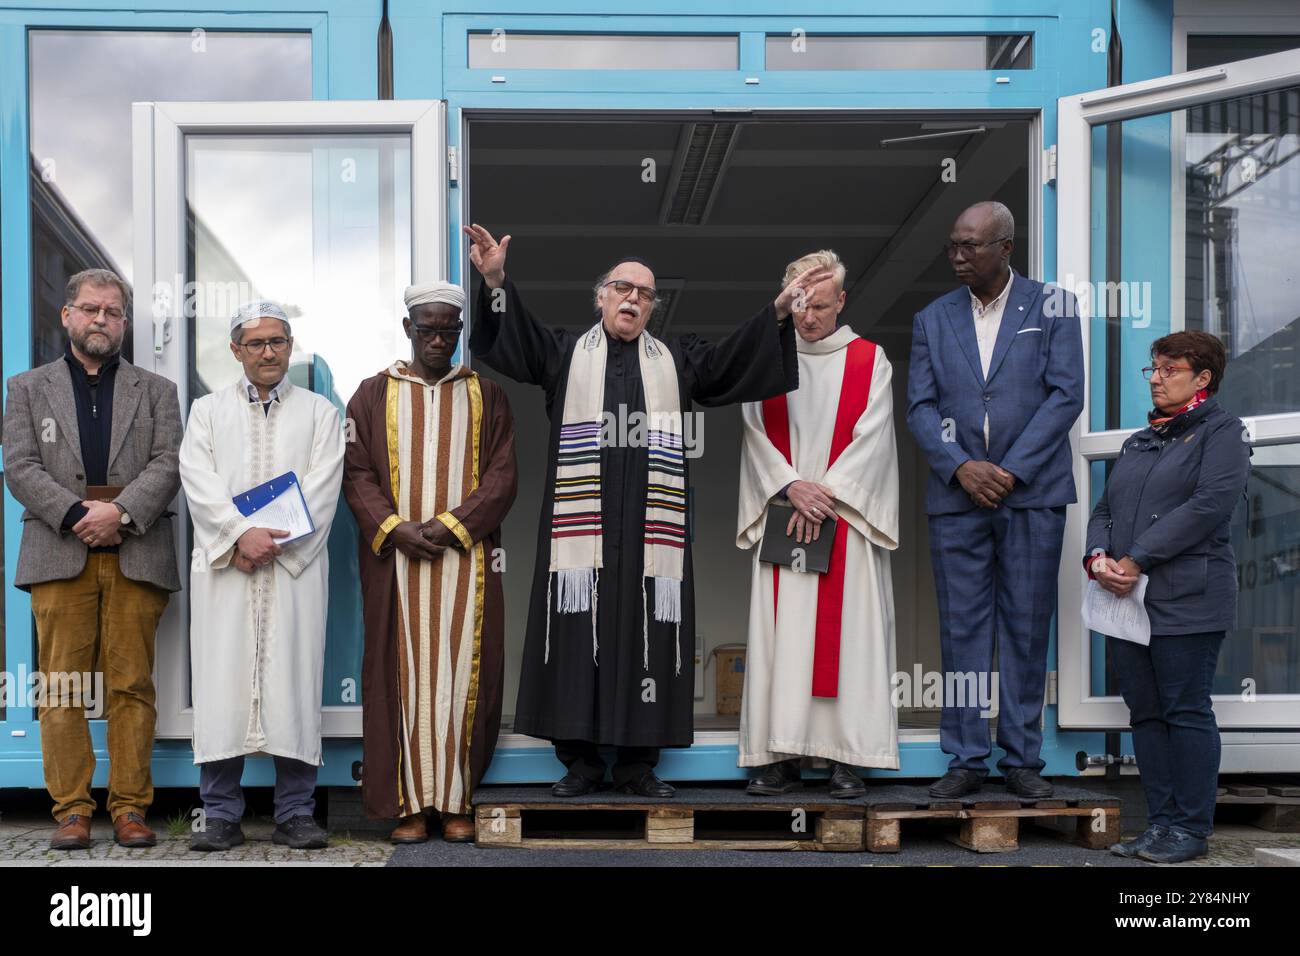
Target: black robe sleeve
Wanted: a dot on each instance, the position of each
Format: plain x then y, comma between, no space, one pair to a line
506,337
755,362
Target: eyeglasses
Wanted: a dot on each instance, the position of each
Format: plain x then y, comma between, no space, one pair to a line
1165,371
950,249
256,346
112,313
447,333
645,293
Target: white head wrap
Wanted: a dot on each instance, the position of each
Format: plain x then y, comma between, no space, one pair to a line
434,292
252,311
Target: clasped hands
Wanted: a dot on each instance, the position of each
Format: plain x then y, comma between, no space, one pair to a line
985,482
423,542
101,524
813,503
1117,577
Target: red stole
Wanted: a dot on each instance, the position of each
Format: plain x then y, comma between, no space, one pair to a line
854,389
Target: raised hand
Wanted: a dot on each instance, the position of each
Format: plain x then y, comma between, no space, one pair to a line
800,288
488,255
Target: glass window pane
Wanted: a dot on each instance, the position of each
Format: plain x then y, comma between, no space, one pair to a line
581,51
1203,51
1242,220
82,85
322,225
1200,241
1264,650
897,52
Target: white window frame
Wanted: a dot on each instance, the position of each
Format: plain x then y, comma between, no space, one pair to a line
158,175
1076,117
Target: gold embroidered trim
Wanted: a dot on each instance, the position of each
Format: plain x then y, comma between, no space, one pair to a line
391,522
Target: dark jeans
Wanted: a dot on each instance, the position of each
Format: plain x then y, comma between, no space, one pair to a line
583,758
1175,737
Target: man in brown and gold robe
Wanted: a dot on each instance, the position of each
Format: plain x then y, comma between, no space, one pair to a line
430,474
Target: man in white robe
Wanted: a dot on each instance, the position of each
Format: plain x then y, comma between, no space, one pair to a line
821,646
257,607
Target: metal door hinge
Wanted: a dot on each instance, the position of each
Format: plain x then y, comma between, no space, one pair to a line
453,164
1051,687
1049,164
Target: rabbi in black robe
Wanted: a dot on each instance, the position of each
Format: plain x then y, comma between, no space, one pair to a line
608,671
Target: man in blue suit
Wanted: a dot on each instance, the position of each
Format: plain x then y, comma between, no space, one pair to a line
995,385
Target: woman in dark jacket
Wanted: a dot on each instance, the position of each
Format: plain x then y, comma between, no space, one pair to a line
1165,513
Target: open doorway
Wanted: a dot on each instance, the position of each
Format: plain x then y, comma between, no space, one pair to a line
720,203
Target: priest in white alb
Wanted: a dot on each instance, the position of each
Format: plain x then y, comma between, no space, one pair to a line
259,593
821,645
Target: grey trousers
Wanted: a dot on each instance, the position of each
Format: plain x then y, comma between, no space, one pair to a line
223,797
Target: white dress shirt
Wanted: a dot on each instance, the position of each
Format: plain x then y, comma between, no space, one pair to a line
988,320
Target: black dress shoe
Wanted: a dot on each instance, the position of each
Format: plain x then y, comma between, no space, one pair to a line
574,785
647,785
1025,782
957,783
845,783
775,778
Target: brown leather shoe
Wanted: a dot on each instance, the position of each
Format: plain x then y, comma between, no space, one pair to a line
73,833
457,828
412,829
131,831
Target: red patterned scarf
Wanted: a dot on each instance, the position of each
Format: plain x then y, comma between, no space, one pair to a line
1160,422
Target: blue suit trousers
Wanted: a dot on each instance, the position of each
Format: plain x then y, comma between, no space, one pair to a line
995,576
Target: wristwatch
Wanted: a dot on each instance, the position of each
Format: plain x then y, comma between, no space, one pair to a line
125,518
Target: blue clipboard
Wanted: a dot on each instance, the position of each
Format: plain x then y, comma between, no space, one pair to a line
255,499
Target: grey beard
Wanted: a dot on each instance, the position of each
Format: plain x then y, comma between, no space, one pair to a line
97,348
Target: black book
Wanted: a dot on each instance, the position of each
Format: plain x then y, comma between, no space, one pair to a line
777,548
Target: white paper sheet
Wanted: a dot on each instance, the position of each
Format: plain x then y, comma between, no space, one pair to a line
1122,617
288,512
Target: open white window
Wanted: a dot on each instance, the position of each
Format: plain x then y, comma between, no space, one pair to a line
331,209
1179,208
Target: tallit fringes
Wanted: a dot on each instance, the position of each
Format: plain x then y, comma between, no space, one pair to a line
546,658
576,586
595,591
668,599
679,650
645,629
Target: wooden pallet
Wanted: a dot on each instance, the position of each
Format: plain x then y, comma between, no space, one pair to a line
994,826
1276,805
817,825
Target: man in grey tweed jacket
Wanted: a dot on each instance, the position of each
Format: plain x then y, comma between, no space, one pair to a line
90,451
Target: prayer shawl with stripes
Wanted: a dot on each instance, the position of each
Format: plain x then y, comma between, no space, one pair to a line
576,517
433,455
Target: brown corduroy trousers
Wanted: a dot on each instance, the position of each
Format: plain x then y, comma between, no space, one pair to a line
100,622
